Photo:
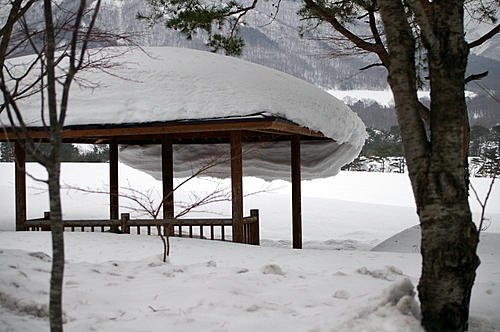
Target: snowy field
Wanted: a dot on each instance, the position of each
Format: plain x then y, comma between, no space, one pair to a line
117,282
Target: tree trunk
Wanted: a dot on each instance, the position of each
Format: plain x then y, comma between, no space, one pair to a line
436,168
449,242
57,230
449,237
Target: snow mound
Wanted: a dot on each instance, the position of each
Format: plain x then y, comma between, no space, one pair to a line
395,310
408,241
21,293
389,272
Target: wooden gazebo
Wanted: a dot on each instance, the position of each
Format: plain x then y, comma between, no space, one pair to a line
177,96
235,132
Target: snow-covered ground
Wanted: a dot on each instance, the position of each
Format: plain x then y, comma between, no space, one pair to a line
117,282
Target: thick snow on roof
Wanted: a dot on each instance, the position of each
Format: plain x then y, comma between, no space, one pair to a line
165,83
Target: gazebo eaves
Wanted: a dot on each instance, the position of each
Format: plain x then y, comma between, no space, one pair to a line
195,131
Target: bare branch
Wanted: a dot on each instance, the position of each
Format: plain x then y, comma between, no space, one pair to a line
379,49
490,92
424,23
476,77
486,198
275,15
485,38
372,65
373,26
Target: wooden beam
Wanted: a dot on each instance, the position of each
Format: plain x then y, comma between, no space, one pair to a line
167,174
237,186
113,180
220,128
296,194
20,180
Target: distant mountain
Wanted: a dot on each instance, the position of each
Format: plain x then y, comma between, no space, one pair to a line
270,42
273,41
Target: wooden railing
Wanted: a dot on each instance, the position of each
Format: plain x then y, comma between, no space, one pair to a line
213,229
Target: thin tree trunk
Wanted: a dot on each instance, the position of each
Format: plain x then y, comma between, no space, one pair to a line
53,166
56,280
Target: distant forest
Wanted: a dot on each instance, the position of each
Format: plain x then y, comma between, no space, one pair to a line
483,111
70,153
383,152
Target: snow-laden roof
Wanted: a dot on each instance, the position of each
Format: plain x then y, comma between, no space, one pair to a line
164,84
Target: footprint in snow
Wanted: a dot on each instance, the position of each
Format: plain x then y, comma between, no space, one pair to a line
388,273
341,294
272,269
41,255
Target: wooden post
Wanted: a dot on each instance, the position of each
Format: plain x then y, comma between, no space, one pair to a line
296,194
46,216
125,217
237,185
256,227
20,180
113,179
167,174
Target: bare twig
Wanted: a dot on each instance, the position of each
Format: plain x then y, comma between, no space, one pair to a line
486,198
146,203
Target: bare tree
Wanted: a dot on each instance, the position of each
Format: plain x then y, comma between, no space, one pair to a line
145,202
60,43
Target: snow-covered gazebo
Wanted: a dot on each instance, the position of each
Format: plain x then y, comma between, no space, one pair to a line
163,109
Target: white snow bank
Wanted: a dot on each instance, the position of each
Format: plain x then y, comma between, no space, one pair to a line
167,84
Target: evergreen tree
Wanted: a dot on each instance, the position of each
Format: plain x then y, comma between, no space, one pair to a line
478,136
495,133
69,152
382,143
99,154
6,152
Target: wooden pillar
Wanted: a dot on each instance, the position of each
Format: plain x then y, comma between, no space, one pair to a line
20,183
113,180
167,174
237,186
296,194
125,218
